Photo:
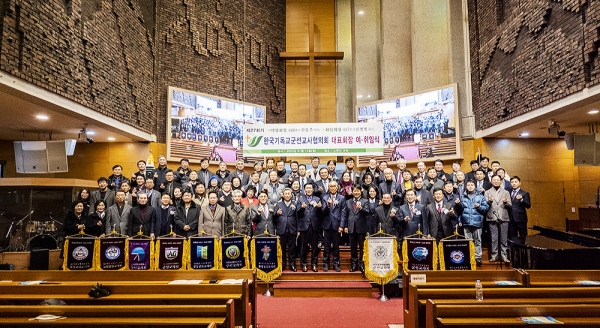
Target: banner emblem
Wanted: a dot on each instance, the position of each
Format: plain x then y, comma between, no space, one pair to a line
80,253
420,253
457,256
202,252
138,254
171,253
112,253
233,252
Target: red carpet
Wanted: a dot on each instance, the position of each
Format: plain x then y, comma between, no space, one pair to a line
288,312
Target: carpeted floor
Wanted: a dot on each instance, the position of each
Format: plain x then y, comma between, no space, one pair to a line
289,312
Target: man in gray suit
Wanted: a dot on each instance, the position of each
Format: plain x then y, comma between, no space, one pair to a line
117,215
498,218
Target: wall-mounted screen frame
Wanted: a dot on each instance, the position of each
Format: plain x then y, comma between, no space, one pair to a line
417,127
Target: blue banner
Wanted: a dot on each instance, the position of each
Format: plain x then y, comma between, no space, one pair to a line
202,253
139,254
265,253
233,252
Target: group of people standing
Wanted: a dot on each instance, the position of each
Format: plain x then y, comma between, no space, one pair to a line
306,205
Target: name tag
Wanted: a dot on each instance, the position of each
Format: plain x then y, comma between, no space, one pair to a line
418,279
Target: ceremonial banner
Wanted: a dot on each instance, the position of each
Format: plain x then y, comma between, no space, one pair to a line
111,253
332,139
170,254
266,257
381,259
234,253
204,253
419,254
457,254
79,253
141,254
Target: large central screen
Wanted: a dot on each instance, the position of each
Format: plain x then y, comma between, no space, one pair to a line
202,126
416,126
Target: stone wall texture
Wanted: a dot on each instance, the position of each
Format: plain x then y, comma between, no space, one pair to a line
526,54
118,57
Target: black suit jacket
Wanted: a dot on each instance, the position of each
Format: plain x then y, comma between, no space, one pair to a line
356,219
389,224
162,225
146,222
309,216
518,211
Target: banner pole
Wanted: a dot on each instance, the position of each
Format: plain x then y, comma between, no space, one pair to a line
382,297
268,292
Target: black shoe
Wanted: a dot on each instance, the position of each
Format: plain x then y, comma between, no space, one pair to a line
293,267
314,268
325,267
353,267
337,268
362,268
304,268
478,263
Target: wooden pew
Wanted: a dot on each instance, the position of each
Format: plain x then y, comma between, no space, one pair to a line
452,279
483,315
560,278
246,309
418,296
109,315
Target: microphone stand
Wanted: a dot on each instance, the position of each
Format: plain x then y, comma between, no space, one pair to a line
21,221
50,216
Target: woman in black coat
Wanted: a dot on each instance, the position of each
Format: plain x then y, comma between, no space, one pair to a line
94,223
75,219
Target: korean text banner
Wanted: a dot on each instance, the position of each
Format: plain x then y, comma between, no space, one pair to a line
313,139
111,254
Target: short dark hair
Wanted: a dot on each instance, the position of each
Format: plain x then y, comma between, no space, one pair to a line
141,161
496,162
349,159
437,189
184,160
474,162
331,161
515,177
204,160
438,161
117,165
100,179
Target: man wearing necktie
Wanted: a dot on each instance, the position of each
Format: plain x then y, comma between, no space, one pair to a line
309,224
441,216
355,224
517,227
287,226
498,218
411,216
334,210
263,215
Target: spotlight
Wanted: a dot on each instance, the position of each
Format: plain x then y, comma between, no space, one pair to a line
553,128
89,140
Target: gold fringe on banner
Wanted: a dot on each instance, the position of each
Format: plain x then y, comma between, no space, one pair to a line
186,250
390,275
66,250
440,251
246,252
405,254
472,255
275,273
435,256
152,251
217,254
97,264
153,259
155,254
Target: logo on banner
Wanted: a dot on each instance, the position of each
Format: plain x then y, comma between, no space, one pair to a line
171,253
266,250
112,253
202,252
420,253
138,254
457,256
80,253
232,252
255,141
381,252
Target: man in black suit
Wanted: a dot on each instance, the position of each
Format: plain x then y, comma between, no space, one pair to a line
309,224
322,185
389,186
481,184
423,195
441,216
204,174
287,227
142,217
334,209
411,215
165,215
355,224
517,227
388,218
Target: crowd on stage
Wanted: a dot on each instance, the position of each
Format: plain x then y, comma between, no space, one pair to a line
406,127
195,128
308,206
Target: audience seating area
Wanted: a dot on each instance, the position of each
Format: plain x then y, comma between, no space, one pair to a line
138,298
447,299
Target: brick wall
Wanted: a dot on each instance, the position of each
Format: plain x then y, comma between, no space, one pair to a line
208,46
118,57
529,53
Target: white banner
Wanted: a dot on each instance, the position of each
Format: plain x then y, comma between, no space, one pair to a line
381,255
335,139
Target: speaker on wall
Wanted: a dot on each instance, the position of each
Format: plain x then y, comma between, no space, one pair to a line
570,140
585,149
41,156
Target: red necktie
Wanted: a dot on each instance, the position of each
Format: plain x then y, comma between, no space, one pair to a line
439,208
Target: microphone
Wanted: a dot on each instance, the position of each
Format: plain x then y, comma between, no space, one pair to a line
497,216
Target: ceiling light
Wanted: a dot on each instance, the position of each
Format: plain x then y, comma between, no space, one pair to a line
593,111
91,133
42,117
359,96
524,134
369,96
111,139
360,12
